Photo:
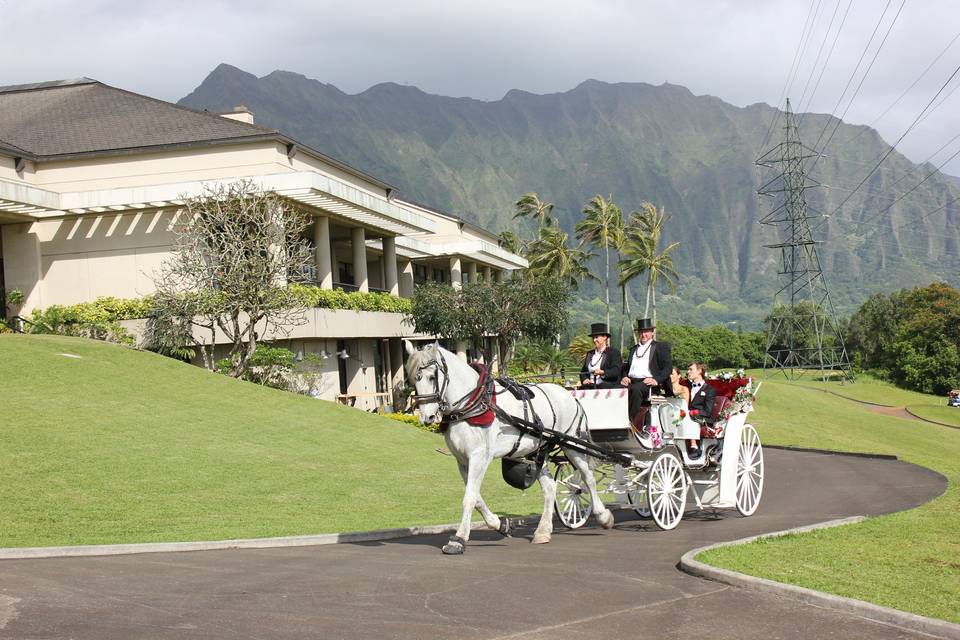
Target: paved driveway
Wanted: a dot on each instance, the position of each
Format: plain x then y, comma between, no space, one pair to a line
586,584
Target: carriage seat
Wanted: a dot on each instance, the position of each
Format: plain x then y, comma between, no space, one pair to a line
712,428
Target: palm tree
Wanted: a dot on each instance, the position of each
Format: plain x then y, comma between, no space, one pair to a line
602,227
529,205
513,243
641,254
551,254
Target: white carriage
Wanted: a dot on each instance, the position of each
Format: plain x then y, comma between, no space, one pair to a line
661,474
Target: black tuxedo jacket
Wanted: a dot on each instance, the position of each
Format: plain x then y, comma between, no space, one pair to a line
661,364
611,363
703,403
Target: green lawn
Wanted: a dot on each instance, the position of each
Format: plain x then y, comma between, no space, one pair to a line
124,446
937,413
909,560
864,388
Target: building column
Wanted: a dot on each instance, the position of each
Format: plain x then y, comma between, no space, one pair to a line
397,381
456,279
406,279
472,273
358,238
487,274
498,276
456,273
321,244
391,282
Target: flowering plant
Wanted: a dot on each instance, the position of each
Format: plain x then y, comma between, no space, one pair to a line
742,400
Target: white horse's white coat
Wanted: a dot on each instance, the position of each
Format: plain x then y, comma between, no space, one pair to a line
475,447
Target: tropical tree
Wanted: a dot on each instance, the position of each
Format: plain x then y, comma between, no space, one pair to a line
529,205
642,254
513,243
236,247
533,309
551,255
602,227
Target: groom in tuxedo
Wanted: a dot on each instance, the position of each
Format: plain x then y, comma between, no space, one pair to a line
646,369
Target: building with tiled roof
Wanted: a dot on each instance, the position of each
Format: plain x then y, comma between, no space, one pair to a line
91,177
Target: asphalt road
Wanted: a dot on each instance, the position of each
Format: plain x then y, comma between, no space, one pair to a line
586,584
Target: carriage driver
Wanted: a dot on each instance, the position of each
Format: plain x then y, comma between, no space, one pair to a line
647,368
601,367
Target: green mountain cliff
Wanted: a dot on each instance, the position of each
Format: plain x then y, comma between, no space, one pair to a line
693,155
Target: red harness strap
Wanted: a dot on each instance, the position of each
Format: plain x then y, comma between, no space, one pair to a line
486,418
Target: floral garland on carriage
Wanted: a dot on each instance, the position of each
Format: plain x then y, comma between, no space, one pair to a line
740,391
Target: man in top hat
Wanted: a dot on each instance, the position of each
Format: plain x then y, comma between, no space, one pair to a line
647,368
601,368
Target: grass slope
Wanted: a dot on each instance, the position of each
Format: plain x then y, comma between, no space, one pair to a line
936,413
123,446
909,560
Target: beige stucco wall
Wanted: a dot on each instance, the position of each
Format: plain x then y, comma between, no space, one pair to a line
79,258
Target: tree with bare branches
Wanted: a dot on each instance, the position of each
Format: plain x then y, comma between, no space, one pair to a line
236,248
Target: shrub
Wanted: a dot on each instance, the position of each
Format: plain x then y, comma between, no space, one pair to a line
413,420
99,319
312,296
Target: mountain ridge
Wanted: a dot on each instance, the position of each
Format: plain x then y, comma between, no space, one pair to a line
691,154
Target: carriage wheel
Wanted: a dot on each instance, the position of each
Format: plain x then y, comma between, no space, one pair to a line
573,501
637,497
666,491
749,471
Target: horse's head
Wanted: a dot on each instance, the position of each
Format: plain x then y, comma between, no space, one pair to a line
427,372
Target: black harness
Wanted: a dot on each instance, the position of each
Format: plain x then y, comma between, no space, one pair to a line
479,400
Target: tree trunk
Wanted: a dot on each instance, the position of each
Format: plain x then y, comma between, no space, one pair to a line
653,296
606,280
626,315
646,308
623,311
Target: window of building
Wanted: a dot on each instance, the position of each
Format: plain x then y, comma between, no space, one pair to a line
419,274
345,272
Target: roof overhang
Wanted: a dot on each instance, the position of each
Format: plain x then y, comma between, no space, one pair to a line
314,190
476,250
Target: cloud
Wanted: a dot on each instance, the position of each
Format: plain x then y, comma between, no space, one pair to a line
738,50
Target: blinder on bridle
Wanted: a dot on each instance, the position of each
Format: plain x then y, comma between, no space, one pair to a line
439,390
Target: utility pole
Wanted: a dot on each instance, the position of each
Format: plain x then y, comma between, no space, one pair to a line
804,333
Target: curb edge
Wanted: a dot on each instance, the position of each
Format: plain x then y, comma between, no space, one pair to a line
876,613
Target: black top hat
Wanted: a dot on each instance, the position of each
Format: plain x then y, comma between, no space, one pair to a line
644,323
599,329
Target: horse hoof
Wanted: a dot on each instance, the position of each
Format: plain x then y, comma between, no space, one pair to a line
606,519
505,527
540,538
455,546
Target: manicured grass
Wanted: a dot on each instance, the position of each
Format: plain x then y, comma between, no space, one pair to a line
941,413
124,446
865,388
909,560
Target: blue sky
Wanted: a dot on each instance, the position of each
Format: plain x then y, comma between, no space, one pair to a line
740,51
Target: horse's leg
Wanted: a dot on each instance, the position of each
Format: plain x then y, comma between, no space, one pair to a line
476,468
549,488
604,515
491,519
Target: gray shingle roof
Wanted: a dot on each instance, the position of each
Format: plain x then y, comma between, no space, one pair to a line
86,116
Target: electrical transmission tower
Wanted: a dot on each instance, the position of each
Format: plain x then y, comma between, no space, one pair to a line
803,332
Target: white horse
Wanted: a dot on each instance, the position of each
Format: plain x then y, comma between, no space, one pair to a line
444,384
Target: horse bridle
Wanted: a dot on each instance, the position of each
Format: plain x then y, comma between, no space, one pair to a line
473,403
438,391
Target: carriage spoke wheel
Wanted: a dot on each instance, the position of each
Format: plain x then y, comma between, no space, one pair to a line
573,496
637,497
749,471
666,491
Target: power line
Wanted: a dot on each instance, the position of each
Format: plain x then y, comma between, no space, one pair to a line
908,89
826,61
783,92
862,79
890,150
